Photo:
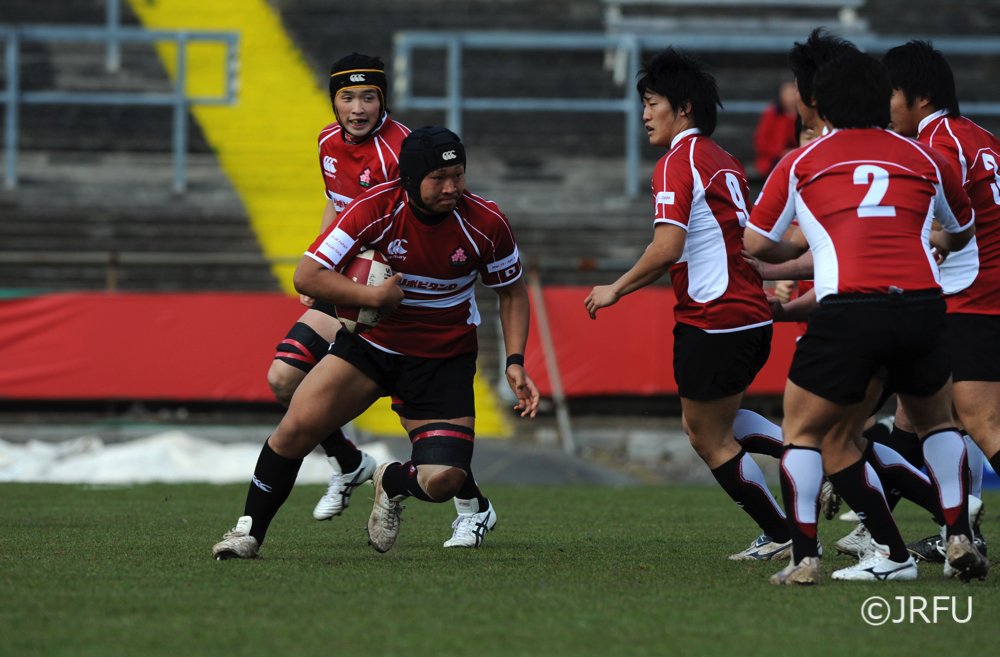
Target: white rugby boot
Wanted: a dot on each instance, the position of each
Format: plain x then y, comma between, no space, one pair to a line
383,523
237,543
856,544
471,525
763,549
964,560
338,492
876,566
829,500
804,573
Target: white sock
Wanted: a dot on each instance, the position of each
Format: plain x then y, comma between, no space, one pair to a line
890,458
753,425
804,468
944,452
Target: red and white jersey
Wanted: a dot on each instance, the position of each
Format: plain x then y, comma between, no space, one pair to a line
865,200
701,188
439,263
350,169
971,277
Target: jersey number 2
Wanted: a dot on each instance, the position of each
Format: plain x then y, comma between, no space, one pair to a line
878,180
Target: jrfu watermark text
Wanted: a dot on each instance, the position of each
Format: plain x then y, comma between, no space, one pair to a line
916,609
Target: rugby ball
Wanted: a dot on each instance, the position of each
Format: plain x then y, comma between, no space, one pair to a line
368,268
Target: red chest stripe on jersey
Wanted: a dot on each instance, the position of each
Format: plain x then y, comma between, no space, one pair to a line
442,433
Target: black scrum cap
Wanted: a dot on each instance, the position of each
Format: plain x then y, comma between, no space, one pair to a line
427,149
357,70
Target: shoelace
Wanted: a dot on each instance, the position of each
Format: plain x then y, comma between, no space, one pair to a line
336,486
870,557
860,536
390,512
463,526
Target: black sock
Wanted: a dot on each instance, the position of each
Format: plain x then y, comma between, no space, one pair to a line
470,490
904,442
863,492
401,479
880,433
743,481
272,481
899,481
801,478
995,462
762,445
341,448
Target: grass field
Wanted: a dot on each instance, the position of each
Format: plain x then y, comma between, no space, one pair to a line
569,571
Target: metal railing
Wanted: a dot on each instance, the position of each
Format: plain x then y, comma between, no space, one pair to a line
113,34
630,48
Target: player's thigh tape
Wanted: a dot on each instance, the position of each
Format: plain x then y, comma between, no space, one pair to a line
302,347
442,443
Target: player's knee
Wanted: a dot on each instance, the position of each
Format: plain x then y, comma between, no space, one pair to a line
443,485
294,357
443,453
295,435
286,440
701,447
713,446
283,381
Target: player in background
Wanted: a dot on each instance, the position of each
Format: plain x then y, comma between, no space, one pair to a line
925,106
356,152
722,335
864,197
423,353
804,60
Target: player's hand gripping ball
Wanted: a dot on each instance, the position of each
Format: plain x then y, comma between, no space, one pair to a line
368,268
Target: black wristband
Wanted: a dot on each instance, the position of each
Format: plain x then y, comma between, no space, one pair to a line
515,359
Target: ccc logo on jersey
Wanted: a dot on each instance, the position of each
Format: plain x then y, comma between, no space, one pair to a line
396,248
330,164
357,77
448,155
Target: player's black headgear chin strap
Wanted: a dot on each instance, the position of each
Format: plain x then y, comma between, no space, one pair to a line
424,150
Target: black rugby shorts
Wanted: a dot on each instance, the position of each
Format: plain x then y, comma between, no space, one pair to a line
974,346
421,388
850,337
710,366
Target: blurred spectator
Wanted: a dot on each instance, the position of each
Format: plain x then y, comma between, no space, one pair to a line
776,134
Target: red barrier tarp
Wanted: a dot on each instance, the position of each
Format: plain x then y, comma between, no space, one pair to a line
218,346
628,349
185,347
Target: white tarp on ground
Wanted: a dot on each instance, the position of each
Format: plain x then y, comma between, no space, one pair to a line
173,456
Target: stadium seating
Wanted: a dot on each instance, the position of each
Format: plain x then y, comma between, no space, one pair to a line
562,192
94,208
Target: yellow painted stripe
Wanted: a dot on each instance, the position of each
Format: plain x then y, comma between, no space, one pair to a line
266,143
